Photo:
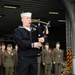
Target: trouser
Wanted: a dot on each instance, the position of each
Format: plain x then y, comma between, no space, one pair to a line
47,69
8,70
27,66
15,70
2,70
58,69
39,68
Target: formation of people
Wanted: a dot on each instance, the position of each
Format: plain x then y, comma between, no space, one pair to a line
48,57
8,59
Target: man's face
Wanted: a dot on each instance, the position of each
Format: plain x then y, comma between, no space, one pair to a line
58,45
3,47
9,48
16,47
26,21
47,46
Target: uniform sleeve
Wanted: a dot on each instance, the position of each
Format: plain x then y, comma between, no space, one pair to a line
54,55
62,55
21,41
3,58
43,57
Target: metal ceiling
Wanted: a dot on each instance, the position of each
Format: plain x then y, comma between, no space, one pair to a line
40,9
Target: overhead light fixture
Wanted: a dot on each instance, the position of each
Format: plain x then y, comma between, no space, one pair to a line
55,13
61,20
10,7
0,15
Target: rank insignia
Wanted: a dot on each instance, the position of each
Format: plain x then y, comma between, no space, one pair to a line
58,55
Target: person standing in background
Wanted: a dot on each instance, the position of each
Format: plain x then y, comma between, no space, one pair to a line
9,60
58,58
16,60
47,59
2,58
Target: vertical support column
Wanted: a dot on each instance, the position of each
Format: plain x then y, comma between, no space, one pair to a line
73,40
68,32
70,6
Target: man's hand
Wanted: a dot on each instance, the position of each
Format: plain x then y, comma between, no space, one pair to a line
37,45
41,40
54,62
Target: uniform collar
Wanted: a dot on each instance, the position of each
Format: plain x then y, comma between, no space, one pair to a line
29,29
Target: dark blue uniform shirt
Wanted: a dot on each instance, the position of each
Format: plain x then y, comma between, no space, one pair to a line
25,40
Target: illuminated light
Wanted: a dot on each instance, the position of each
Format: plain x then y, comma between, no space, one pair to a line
61,20
55,13
10,7
0,16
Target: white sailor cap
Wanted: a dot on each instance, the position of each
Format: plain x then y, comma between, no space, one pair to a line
26,14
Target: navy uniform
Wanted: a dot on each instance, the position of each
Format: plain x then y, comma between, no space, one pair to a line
58,58
27,54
